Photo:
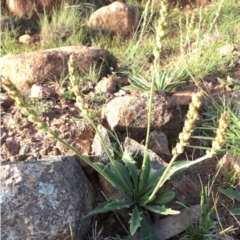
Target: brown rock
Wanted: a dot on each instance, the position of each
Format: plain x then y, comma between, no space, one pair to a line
41,199
131,112
106,85
171,226
9,148
6,100
28,8
183,97
40,66
118,18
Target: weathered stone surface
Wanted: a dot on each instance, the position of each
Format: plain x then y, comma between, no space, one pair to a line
106,85
137,150
97,147
42,199
158,143
10,148
170,226
39,91
6,100
186,187
183,97
26,8
118,18
25,69
131,112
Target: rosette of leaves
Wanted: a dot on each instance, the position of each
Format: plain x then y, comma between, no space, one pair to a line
138,185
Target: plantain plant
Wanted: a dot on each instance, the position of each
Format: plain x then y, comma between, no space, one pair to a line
140,187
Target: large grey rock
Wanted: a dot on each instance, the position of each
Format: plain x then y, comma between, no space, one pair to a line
117,18
26,69
43,199
131,112
158,143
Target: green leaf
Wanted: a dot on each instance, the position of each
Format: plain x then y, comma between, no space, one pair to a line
99,209
132,167
230,192
144,199
161,210
122,172
235,211
163,198
147,232
135,220
138,83
154,178
119,204
112,177
144,177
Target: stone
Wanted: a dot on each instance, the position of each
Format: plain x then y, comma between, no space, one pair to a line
43,199
183,98
6,100
171,226
28,68
158,143
186,187
131,112
23,8
25,39
117,18
226,50
106,85
9,148
39,91
97,148
137,150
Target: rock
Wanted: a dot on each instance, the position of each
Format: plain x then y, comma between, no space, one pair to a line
117,18
183,97
27,39
38,91
9,148
137,150
44,65
131,112
158,143
43,199
226,50
28,9
171,226
230,167
97,148
186,187
6,100
106,85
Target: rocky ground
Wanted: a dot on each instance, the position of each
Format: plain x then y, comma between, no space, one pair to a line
22,141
